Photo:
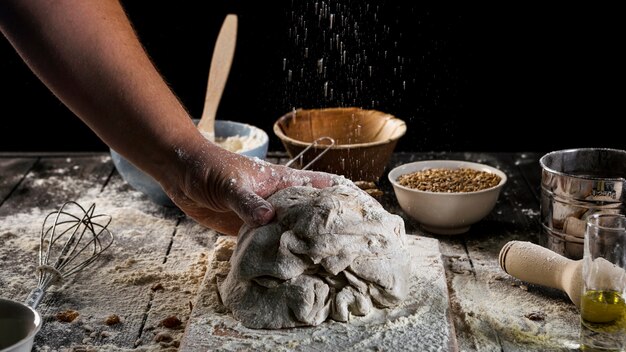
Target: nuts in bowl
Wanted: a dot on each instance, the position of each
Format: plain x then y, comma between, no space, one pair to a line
447,196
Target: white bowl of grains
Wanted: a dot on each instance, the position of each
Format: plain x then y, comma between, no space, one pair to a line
447,196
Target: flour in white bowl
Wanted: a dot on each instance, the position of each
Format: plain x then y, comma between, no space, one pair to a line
239,144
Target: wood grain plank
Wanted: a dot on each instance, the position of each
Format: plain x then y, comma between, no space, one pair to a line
118,283
472,334
478,288
42,190
12,171
528,164
177,287
493,297
420,323
159,246
54,180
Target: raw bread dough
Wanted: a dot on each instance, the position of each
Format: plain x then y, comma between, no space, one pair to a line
330,252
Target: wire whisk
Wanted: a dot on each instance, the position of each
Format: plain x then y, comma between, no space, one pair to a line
71,239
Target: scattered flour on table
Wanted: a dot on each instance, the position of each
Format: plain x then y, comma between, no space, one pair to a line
419,323
545,327
132,270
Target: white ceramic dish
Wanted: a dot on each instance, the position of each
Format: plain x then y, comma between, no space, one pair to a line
148,186
445,213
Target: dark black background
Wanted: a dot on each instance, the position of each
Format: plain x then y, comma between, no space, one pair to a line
480,78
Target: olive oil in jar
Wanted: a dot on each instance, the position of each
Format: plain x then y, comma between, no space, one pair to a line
603,311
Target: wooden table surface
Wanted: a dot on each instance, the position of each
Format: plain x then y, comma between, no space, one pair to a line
152,274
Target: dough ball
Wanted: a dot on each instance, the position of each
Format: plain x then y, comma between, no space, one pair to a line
329,252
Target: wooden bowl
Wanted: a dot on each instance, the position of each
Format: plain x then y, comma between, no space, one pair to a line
364,139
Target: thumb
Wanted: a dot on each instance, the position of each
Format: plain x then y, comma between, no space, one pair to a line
251,208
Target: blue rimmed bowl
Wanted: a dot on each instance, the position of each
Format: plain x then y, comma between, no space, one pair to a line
145,184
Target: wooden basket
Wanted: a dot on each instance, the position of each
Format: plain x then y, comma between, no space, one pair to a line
364,139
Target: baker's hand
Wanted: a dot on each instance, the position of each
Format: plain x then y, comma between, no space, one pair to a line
222,190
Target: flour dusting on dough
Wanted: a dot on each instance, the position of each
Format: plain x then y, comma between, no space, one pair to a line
330,253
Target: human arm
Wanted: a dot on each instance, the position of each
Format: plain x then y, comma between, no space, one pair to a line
89,56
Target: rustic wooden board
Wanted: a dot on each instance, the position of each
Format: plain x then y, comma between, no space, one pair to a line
497,300
52,181
150,273
157,265
489,307
181,276
528,165
41,190
13,171
421,322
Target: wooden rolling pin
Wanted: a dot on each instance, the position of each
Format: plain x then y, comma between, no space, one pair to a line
535,264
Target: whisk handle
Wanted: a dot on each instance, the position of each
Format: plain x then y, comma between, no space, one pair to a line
34,297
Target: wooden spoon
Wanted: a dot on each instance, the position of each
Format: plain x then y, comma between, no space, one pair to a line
221,61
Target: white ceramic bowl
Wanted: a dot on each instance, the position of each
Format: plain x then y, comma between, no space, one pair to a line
445,213
147,185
